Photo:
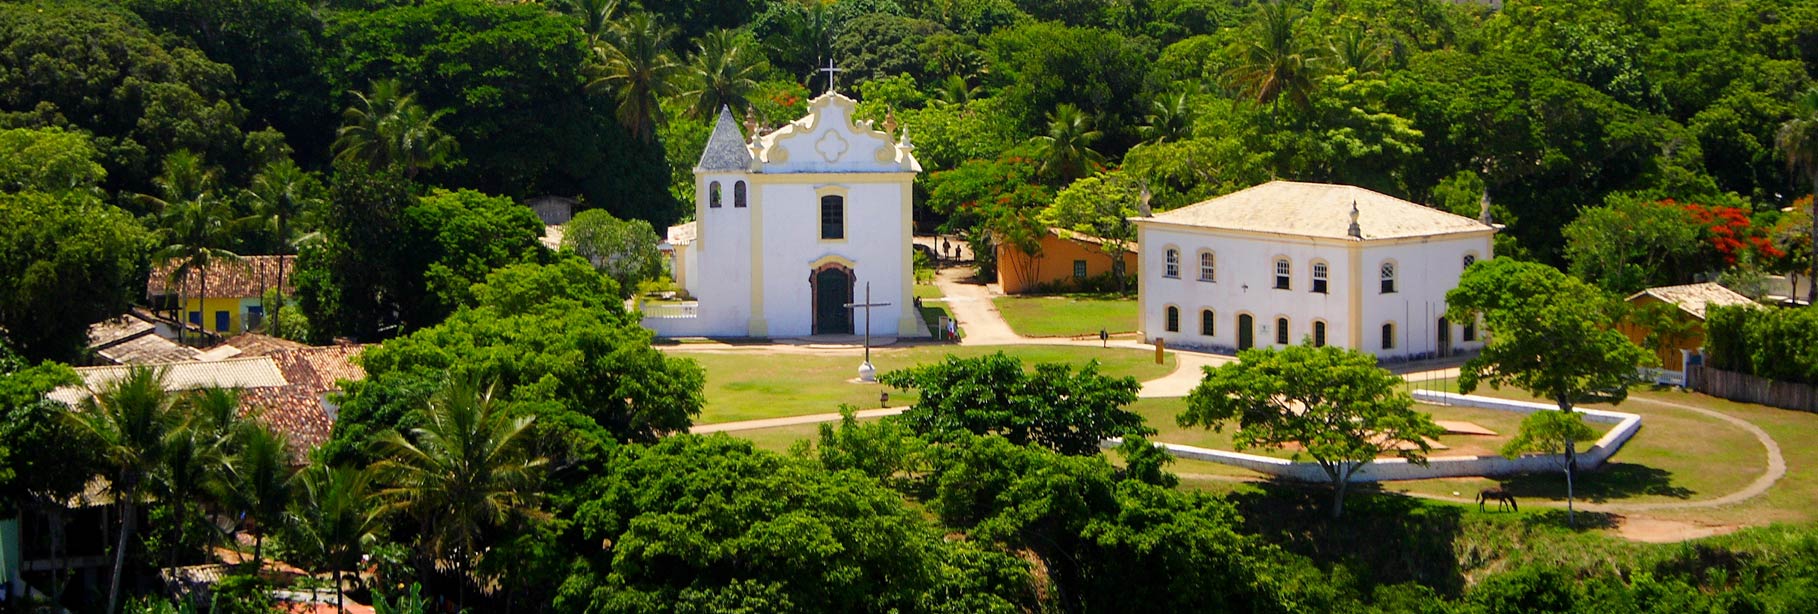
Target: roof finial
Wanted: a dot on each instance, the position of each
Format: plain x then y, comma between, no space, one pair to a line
890,122
1483,207
1355,231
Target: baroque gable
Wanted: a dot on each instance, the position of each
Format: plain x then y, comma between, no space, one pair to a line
830,140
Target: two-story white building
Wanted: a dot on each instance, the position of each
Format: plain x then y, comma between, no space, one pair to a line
1287,262
792,226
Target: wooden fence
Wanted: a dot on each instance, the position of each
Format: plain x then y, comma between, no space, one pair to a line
1751,389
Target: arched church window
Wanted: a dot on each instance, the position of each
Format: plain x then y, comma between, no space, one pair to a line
738,195
1173,319
713,195
1388,277
833,217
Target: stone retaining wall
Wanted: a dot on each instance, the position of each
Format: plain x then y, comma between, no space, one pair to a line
1385,470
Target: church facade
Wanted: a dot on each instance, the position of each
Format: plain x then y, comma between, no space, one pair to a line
791,226
1287,262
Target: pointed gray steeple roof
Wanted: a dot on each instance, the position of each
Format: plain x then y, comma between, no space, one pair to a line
726,148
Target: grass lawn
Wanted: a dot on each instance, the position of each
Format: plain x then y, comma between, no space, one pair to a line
744,385
1160,413
1068,315
1678,455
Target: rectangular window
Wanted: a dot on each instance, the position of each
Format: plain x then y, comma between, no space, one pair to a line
222,321
1284,274
1207,272
1319,277
1171,264
833,217
254,315
195,317
1079,269
1388,278
1319,334
1470,331
1281,331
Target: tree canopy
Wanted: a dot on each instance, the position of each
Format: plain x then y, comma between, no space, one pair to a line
1051,406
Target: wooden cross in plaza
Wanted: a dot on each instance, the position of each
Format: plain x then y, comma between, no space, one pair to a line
866,371
832,78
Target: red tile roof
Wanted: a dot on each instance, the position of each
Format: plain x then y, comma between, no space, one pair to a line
296,411
243,279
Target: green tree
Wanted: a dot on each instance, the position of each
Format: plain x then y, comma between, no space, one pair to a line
557,338
66,261
1276,63
596,18
1170,118
1549,334
1065,151
257,482
1549,432
330,520
714,524
385,128
723,72
1335,403
44,458
129,419
460,237
98,69
1053,406
1099,206
1630,244
624,250
465,470
50,160
1798,141
636,64
282,193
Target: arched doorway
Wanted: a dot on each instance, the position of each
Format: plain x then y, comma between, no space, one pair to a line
1445,338
832,288
1246,336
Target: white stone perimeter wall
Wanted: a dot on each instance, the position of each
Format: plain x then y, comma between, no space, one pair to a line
1387,470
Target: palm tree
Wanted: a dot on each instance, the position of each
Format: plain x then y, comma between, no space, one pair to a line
386,128
1798,141
195,234
723,73
955,90
331,519
257,482
130,419
191,457
1358,50
596,18
635,62
282,193
1276,64
464,471
1066,150
1170,119
188,208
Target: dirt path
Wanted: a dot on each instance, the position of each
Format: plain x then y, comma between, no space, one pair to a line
971,305
1776,468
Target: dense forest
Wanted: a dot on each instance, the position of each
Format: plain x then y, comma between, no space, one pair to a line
514,418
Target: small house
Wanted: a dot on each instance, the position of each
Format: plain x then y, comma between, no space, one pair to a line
235,290
1065,259
1690,302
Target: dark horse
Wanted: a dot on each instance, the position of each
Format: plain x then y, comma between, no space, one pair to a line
1500,496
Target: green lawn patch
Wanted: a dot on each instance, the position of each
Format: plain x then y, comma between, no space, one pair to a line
748,385
1068,315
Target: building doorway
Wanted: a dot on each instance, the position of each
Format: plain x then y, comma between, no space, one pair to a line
832,288
1246,337
1445,338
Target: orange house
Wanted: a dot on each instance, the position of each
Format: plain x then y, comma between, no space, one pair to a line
1690,302
1065,257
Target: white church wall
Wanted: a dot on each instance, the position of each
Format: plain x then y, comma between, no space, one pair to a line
721,269
1244,284
875,240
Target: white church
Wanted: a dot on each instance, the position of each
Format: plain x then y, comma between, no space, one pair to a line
792,226
1289,262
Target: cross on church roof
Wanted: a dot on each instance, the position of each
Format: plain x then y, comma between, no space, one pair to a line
832,78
